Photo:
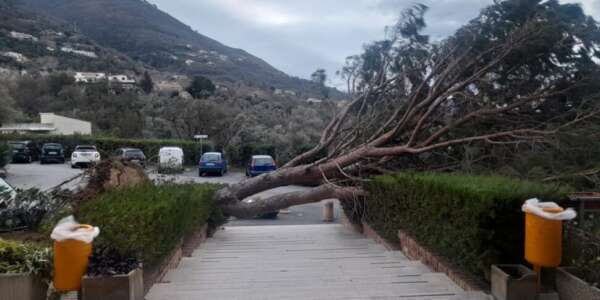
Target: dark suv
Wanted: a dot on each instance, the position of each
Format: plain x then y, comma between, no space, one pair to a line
52,152
131,154
24,151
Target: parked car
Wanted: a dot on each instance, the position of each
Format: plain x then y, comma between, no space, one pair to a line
260,164
84,155
212,162
131,154
52,152
24,151
170,159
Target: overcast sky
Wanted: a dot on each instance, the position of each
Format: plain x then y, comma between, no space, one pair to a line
298,37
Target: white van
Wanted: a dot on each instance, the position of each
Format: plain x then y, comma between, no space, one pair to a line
170,159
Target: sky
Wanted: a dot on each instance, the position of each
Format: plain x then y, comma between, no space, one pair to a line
298,37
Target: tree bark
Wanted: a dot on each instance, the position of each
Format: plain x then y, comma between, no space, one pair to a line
253,207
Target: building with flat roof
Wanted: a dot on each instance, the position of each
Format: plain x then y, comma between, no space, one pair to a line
50,123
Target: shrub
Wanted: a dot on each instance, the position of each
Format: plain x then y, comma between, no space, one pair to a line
148,221
18,258
472,221
107,145
109,262
582,250
27,209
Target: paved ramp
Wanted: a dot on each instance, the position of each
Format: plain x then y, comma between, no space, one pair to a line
301,262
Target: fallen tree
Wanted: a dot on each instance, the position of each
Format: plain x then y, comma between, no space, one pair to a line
519,73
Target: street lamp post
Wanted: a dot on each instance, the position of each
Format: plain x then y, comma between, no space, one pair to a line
201,137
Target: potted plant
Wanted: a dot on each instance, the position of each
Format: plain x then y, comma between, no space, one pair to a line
570,285
513,282
112,276
24,271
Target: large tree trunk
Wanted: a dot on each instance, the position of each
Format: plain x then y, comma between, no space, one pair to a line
505,78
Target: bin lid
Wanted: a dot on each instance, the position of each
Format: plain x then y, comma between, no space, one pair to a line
548,210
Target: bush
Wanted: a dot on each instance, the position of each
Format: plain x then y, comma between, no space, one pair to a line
18,258
107,145
472,221
582,250
148,221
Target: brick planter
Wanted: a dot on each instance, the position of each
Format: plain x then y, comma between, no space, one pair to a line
571,287
513,282
22,287
118,287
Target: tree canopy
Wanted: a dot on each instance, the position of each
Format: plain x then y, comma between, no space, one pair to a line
521,73
201,87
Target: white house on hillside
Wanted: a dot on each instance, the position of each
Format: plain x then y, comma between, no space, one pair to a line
51,123
85,77
122,79
314,101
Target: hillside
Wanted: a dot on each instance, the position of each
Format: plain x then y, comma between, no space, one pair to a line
35,44
149,35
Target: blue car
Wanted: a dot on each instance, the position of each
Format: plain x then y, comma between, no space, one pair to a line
212,163
260,164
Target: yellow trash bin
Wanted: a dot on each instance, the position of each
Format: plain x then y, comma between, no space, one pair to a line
72,249
543,239
70,262
543,232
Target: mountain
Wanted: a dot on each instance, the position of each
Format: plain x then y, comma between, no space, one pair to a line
149,35
32,43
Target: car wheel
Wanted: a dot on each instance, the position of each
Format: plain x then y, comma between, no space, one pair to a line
73,166
199,173
42,162
222,172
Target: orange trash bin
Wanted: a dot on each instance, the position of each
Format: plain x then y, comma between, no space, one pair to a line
543,239
71,259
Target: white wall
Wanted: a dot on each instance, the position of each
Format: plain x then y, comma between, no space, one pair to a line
66,126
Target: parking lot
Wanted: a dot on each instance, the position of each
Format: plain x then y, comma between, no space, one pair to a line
45,177
42,177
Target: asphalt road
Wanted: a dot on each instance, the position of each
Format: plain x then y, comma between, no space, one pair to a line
44,177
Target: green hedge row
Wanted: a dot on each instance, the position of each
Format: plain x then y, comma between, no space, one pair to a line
148,221
472,221
107,145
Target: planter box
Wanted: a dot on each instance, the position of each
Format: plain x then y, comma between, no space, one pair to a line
22,287
571,287
118,287
513,282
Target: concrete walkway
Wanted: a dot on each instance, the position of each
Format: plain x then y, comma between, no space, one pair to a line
301,262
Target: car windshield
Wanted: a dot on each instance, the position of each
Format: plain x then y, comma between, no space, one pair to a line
133,153
211,157
263,161
52,147
85,148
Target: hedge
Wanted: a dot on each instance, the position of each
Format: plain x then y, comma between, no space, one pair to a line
107,145
471,221
148,221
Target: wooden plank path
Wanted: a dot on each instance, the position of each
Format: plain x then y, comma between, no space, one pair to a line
301,262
